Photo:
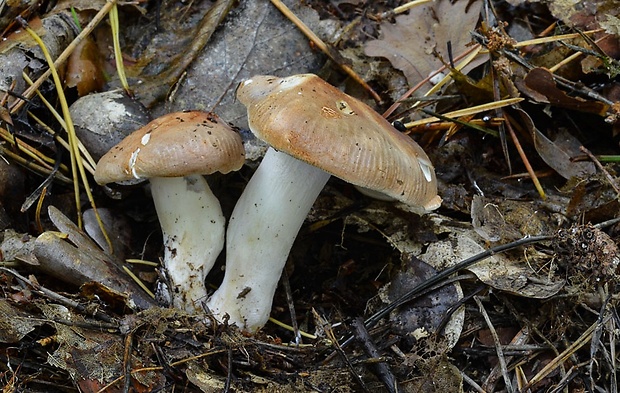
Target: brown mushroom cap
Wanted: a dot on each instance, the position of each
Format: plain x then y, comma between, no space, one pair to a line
174,145
313,121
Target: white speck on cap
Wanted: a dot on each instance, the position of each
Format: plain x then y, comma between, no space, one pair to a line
132,163
145,139
426,168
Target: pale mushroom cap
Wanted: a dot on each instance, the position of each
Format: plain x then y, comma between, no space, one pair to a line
313,121
174,145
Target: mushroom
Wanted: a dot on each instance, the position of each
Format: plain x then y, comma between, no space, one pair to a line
174,151
315,131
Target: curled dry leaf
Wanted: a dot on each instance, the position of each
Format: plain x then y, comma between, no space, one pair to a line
541,87
57,255
85,68
557,153
409,44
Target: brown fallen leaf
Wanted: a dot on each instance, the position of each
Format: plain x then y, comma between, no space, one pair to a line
409,44
540,81
85,68
557,152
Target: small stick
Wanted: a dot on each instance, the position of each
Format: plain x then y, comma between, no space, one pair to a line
523,156
65,54
400,9
325,325
291,306
127,351
329,51
498,345
382,369
59,298
598,164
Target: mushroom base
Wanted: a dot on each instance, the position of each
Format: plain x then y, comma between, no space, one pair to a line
261,232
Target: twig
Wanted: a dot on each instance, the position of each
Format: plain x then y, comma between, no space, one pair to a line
322,322
291,306
127,351
329,51
66,53
59,298
472,383
229,371
598,164
382,369
523,156
400,9
498,345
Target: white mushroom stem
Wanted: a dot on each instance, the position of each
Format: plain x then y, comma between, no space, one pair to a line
193,228
261,232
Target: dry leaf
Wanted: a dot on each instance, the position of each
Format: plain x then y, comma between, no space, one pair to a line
85,68
501,271
557,153
541,82
409,43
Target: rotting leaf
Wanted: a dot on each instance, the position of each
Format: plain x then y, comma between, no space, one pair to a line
92,357
14,324
499,271
506,220
423,316
409,44
541,81
557,153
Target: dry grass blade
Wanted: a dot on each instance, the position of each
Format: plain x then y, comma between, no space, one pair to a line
118,54
467,111
565,355
90,162
76,159
29,93
469,55
34,154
